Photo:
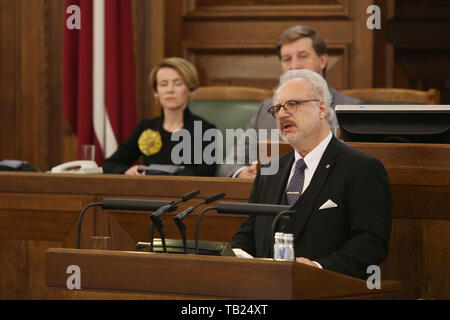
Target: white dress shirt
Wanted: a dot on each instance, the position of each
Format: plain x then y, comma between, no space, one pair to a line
312,160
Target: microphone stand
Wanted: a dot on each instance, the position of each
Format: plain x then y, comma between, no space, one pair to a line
180,224
159,225
179,218
197,227
80,220
156,217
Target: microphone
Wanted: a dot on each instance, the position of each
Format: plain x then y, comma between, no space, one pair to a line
156,216
179,218
133,204
167,208
258,209
182,215
120,204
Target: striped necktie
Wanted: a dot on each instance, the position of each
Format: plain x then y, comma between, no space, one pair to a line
295,187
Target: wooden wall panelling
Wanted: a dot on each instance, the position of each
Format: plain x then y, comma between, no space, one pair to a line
25,224
139,26
266,8
383,57
62,141
22,273
26,79
361,67
413,154
29,225
421,56
436,258
9,66
225,67
173,30
437,9
148,22
406,236
54,26
232,43
338,64
418,201
239,53
33,86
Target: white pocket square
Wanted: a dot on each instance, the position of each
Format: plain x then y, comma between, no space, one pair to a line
328,204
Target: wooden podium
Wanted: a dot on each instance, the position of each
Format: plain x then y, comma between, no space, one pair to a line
106,274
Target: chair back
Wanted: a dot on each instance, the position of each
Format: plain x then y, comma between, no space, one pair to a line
227,107
395,96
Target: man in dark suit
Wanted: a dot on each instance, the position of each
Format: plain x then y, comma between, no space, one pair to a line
341,195
298,47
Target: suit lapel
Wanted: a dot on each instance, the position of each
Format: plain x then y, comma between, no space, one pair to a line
307,200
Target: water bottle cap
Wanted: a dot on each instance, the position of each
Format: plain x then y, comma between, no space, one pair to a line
288,236
279,235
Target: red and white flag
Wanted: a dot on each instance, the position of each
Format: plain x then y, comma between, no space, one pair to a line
99,99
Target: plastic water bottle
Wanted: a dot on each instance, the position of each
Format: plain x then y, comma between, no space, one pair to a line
289,253
278,246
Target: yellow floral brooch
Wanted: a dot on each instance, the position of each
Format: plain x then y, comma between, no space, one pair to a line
150,142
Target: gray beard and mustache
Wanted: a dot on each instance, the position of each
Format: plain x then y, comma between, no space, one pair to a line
291,139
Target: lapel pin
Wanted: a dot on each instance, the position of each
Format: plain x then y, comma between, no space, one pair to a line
328,166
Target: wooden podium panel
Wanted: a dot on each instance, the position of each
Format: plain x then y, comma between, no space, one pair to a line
206,277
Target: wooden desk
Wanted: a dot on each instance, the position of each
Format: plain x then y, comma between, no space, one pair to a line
39,211
143,275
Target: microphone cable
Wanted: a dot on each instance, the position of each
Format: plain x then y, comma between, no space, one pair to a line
197,227
80,220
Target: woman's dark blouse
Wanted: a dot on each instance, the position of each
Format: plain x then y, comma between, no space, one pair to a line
127,153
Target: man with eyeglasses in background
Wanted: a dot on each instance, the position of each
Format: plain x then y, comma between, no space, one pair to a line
340,195
298,47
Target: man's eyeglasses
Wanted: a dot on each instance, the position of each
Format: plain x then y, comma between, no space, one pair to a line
289,106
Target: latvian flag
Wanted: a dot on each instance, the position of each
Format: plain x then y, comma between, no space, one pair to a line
98,74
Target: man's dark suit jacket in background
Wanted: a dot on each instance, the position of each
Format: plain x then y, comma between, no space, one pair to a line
347,238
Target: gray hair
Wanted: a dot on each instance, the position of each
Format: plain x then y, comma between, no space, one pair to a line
318,84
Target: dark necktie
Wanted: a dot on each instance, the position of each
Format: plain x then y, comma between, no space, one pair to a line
295,187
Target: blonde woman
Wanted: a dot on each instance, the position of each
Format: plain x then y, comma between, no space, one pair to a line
173,80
